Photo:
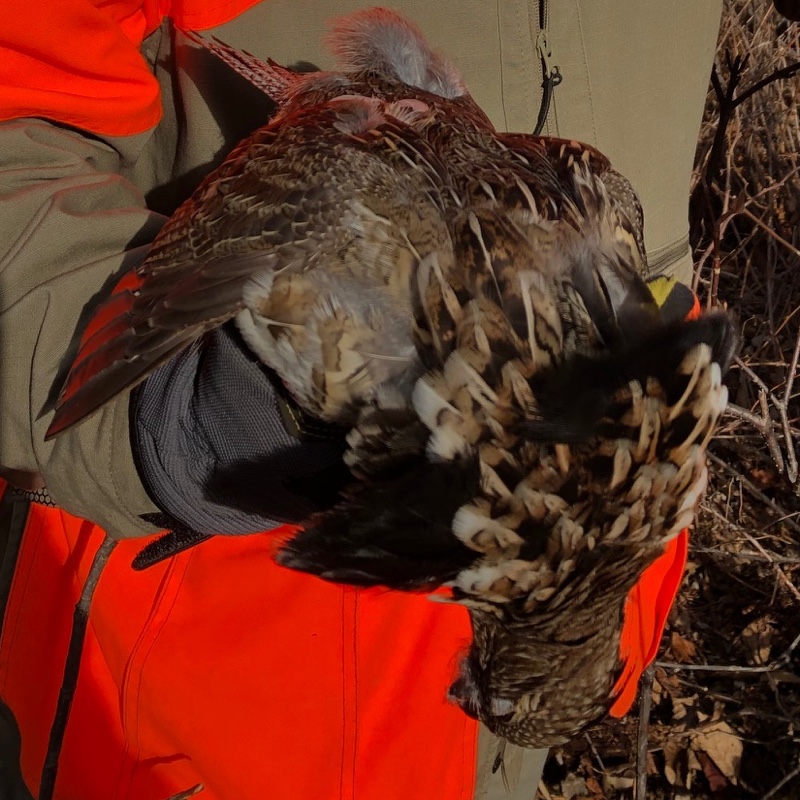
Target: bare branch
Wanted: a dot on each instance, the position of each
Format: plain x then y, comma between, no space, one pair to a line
779,74
645,700
753,490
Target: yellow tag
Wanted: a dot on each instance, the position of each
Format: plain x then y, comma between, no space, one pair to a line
660,288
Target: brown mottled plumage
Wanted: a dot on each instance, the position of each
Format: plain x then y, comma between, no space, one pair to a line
525,428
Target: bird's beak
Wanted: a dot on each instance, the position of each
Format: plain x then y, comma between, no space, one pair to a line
464,692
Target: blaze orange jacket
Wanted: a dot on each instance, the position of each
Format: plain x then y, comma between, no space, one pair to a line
217,667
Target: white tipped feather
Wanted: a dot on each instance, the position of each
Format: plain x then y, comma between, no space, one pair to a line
697,358
429,404
458,373
468,522
618,528
482,533
622,464
445,444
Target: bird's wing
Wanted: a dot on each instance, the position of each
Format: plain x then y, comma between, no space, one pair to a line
123,343
303,197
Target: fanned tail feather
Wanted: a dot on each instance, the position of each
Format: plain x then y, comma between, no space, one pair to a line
271,78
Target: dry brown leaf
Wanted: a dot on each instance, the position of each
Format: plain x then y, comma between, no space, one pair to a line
683,650
757,638
692,765
763,478
782,676
716,780
675,770
720,742
719,710
669,682
617,782
681,707
593,786
573,786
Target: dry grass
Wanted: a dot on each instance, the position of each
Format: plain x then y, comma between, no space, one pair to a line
724,697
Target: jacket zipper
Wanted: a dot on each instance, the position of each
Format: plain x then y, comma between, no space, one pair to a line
551,73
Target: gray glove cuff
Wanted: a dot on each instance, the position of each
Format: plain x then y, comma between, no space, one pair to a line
212,448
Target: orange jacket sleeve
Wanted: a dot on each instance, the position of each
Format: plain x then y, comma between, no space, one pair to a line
78,62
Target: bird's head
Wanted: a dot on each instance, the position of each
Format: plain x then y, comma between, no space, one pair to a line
537,687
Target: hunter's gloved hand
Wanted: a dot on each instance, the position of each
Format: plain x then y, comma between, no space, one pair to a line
218,447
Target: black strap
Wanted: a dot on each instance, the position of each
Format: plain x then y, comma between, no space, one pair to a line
14,510
12,786
177,539
72,664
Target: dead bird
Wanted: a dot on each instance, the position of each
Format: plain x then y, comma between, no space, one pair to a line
525,427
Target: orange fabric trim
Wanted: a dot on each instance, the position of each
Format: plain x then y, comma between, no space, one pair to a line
219,667
78,61
646,611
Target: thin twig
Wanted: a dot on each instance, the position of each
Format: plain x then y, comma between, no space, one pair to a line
645,700
714,667
595,753
770,232
781,783
787,392
748,416
764,424
766,555
791,471
745,555
777,664
778,571
752,489
769,556
769,432
785,72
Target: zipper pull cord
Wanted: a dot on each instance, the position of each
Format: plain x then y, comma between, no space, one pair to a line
551,77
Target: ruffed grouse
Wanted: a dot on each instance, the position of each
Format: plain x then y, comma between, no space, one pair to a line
525,428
